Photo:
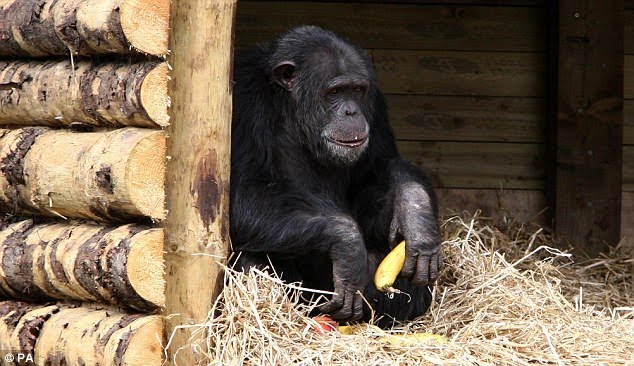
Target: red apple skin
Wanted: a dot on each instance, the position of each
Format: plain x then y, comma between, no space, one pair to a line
325,324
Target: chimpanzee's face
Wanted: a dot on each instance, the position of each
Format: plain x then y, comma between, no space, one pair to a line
330,90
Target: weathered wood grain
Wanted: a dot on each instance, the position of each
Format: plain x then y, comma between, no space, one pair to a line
628,122
479,165
629,31
455,2
461,73
518,204
449,118
521,205
85,27
197,180
628,78
587,128
628,168
460,118
402,26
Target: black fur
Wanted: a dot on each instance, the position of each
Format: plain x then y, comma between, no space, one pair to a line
309,192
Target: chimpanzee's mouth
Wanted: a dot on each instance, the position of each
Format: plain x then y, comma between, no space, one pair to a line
356,142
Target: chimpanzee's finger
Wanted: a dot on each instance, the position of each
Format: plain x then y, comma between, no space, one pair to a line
335,303
410,264
357,309
421,277
439,261
345,311
393,233
433,268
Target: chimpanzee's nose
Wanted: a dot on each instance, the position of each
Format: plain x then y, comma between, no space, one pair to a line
351,111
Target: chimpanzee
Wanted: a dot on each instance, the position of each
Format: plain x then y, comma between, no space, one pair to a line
317,184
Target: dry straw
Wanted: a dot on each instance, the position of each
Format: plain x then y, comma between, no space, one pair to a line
505,297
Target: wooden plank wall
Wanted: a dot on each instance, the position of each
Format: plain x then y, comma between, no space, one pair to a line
466,86
584,180
627,215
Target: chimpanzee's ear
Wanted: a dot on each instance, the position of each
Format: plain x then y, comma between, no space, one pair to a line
284,74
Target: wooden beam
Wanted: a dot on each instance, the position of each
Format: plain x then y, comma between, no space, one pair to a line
501,74
629,31
514,204
505,3
469,119
521,205
586,129
628,78
400,26
197,185
479,165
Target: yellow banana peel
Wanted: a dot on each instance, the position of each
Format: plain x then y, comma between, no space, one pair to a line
389,269
354,329
412,338
392,339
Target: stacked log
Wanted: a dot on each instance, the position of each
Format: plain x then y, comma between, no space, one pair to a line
107,176
60,93
69,334
20,324
82,27
115,265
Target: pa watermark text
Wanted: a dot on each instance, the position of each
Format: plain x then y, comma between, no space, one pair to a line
17,358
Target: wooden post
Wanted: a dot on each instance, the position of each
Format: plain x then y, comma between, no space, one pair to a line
586,123
197,178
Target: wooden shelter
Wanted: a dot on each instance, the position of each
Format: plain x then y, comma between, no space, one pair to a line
521,108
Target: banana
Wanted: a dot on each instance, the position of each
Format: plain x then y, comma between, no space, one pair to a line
389,269
412,338
354,329
392,339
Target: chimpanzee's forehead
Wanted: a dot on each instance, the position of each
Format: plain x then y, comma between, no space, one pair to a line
336,62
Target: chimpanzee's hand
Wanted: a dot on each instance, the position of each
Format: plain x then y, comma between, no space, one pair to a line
413,220
350,274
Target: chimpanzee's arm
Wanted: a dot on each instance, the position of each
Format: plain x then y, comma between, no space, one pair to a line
414,218
396,201
274,219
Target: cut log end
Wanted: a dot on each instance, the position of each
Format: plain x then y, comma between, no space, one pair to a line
144,174
154,95
109,176
122,266
137,344
145,24
89,336
108,94
145,268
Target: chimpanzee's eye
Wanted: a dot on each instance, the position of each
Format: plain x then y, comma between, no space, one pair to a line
358,89
334,91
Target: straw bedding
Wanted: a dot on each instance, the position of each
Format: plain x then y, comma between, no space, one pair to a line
505,297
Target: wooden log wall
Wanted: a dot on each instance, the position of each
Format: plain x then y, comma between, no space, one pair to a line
466,87
82,170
